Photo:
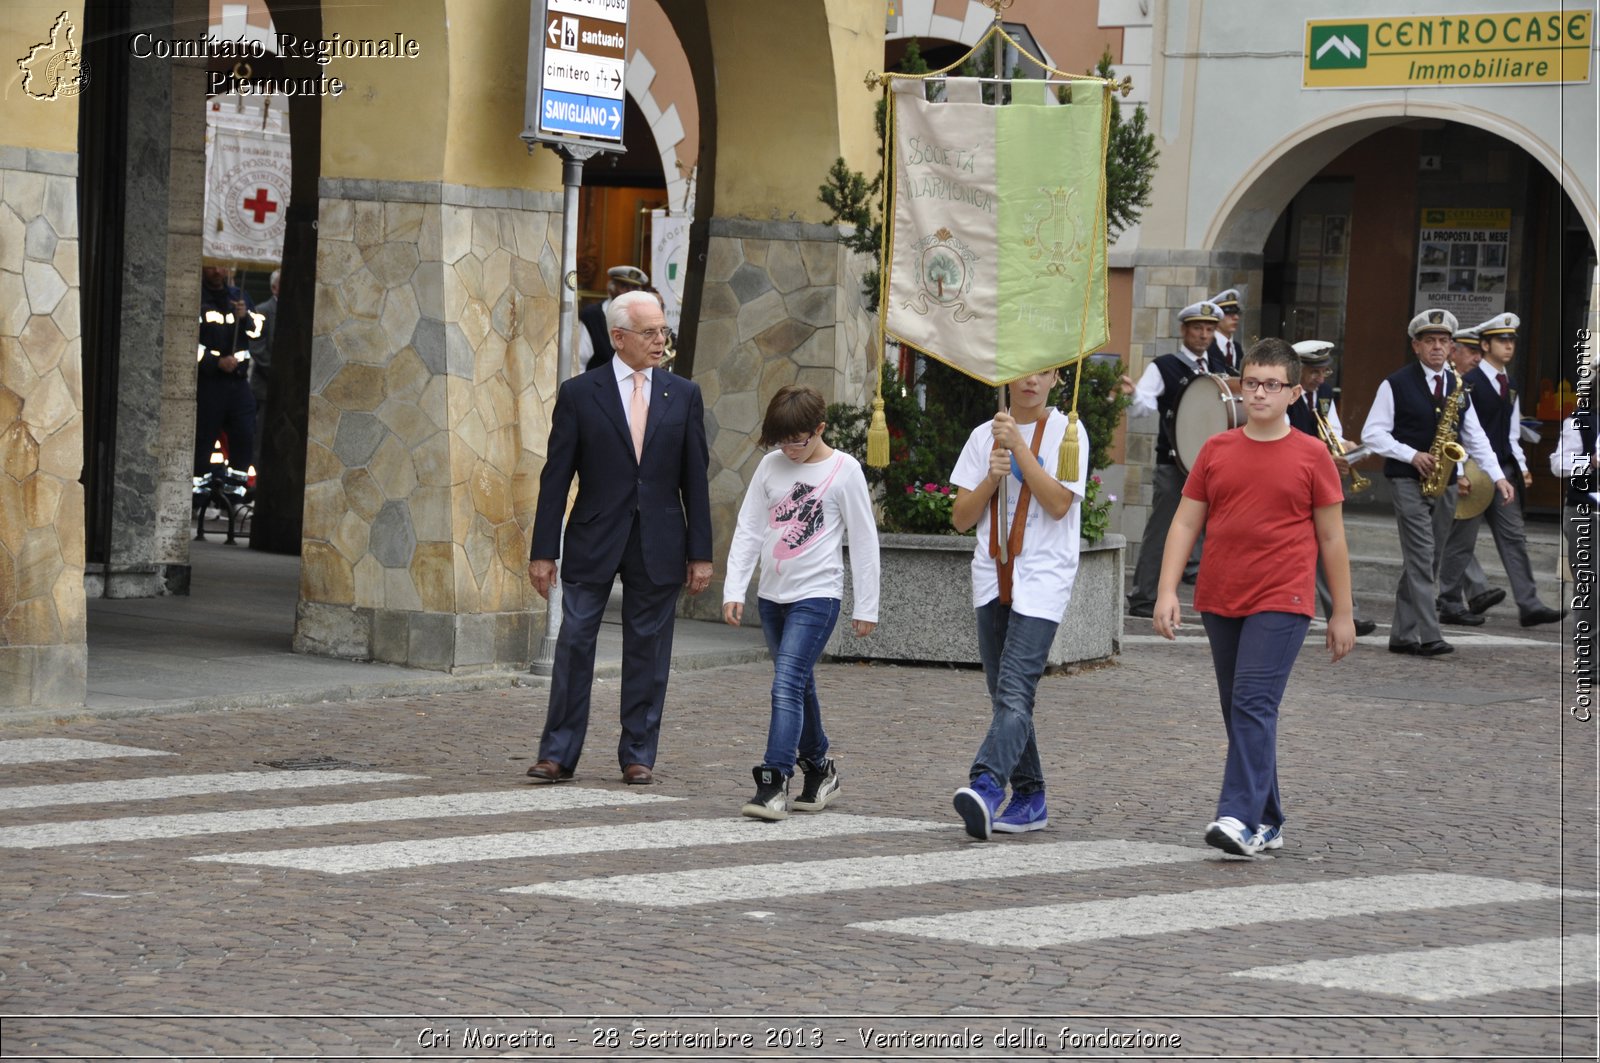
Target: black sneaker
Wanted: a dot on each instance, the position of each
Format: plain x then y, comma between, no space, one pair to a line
772,795
822,785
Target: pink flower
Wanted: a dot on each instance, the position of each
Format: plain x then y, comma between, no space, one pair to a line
944,490
930,488
1096,479
910,490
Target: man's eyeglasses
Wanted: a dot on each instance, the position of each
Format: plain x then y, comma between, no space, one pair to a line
1271,387
793,444
648,333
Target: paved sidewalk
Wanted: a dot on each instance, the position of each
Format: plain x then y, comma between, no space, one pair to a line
227,645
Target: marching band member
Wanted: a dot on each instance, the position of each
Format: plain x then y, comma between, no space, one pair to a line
1404,426
1310,414
1160,387
1500,414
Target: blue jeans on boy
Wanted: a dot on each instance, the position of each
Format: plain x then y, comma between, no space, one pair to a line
796,634
1253,656
1014,648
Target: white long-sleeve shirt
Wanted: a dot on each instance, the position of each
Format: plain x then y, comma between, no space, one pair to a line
794,522
1568,459
1378,430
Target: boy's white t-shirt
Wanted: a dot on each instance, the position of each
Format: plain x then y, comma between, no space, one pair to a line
1044,570
793,522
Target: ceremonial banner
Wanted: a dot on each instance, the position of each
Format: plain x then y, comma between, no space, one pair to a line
998,244
248,177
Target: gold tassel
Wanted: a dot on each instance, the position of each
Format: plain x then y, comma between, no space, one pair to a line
878,437
1067,457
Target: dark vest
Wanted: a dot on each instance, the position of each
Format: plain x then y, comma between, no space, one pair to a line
1175,377
1578,487
1416,416
1216,356
1300,417
593,319
1495,416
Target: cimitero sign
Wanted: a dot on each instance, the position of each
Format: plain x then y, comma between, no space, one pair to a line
577,66
1457,50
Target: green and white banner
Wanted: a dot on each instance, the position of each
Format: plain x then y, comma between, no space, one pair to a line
997,250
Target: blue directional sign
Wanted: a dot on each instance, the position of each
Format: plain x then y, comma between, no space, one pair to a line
584,116
577,69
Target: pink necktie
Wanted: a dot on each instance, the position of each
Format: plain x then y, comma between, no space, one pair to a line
638,411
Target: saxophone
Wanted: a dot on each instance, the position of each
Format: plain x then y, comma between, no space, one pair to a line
1445,450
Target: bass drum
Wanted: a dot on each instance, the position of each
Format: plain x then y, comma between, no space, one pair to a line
1210,404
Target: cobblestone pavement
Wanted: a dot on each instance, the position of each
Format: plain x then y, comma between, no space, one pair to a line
1435,896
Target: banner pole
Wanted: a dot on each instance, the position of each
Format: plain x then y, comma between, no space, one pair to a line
1001,543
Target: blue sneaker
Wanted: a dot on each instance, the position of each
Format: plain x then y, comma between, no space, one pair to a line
1270,837
1024,813
977,804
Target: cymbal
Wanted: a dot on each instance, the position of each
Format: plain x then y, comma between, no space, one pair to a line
1477,500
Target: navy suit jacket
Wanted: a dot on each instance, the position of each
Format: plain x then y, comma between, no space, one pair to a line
589,438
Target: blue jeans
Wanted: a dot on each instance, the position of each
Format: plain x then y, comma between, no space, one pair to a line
1253,656
796,634
1014,649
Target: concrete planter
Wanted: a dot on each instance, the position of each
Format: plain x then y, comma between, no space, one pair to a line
925,608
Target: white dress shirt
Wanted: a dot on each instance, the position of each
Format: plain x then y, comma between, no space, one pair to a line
1568,459
1152,386
1377,433
625,386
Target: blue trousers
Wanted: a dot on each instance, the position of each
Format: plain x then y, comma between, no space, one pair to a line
1253,656
796,634
1014,648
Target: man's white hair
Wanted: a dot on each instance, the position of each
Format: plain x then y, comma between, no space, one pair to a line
273,280
619,314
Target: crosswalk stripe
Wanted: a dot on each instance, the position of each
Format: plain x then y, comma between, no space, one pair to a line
35,750
676,889
1144,915
144,828
382,856
157,787
1447,973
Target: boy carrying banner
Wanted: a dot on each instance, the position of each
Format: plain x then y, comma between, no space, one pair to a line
1013,461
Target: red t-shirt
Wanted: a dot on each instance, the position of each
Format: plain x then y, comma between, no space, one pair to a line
1261,542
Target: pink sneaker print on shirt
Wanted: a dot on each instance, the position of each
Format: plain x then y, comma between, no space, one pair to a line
799,516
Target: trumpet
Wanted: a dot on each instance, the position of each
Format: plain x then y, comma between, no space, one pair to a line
1358,483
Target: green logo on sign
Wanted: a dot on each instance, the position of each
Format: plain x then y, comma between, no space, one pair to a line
1338,47
1433,217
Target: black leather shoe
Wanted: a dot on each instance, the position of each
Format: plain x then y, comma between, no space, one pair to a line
1365,627
1461,618
1481,603
1147,611
1408,648
1542,615
1436,648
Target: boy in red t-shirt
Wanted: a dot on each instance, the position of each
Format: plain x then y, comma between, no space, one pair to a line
1268,499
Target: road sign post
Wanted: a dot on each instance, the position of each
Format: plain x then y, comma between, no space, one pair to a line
577,54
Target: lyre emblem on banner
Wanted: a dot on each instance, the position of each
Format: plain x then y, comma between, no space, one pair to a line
944,275
1052,230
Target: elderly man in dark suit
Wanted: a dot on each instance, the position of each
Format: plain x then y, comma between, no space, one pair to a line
634,435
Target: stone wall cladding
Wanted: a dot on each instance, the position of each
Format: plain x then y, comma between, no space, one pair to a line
43,661
433,373
781,305
1164,282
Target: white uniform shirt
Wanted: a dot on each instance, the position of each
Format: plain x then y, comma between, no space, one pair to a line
1568,459
794,521
1043,572
1152,385
1378,431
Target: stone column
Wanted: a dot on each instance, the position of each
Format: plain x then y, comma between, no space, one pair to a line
1164,282
155,387
43,659
781,305
433,367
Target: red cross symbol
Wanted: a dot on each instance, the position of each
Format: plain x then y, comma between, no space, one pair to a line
260,205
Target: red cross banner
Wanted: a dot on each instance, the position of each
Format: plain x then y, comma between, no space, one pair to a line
247,195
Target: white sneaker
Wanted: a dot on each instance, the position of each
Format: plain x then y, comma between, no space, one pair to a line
1231,836
1270,837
